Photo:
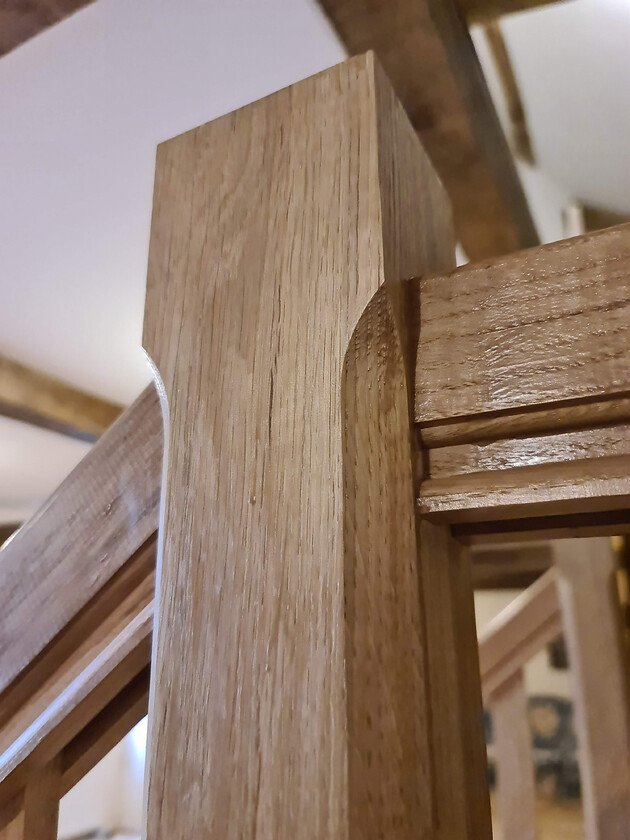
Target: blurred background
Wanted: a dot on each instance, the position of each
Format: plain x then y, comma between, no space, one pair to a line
87,91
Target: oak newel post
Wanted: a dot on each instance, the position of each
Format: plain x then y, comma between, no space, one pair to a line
296,667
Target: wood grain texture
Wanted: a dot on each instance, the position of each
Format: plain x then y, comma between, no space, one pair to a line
584,415
599,669
521,387
22,705
41,400
38,813
523,628
459,750
109,509
425,48
22,19
106,729
103,617
533,330
544,449
68,712
512,746
289,694
572,488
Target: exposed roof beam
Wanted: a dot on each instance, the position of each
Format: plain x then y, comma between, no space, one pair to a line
426,50
22,19
483,10
34,397
510,567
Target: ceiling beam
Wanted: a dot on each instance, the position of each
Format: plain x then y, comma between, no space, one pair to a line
510,566
22,19
41,400
482,11
426,50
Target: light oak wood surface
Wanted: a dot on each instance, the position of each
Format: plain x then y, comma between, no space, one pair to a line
104,731
109,507
514,795
37,812
291,686
70,710
530,622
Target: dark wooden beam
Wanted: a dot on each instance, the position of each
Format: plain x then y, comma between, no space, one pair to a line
510,566
521,141
426,50
477,11
22,19
41,400
7,529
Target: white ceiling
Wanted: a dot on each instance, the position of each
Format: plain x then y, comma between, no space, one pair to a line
83,105
572,63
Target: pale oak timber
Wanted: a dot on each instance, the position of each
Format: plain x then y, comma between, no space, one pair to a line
584,415
22,704
515,795
545,449
89,746
71,710
458,752
596,485
290,683
45,401
38,806
529,623
426,50
98,518
102,734
599,667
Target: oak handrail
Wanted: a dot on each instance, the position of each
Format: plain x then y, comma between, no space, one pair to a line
525,626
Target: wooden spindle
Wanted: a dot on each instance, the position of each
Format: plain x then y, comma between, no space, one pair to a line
37,809
599,671
515,794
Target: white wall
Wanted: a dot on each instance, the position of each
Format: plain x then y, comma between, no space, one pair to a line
82,109
95,803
